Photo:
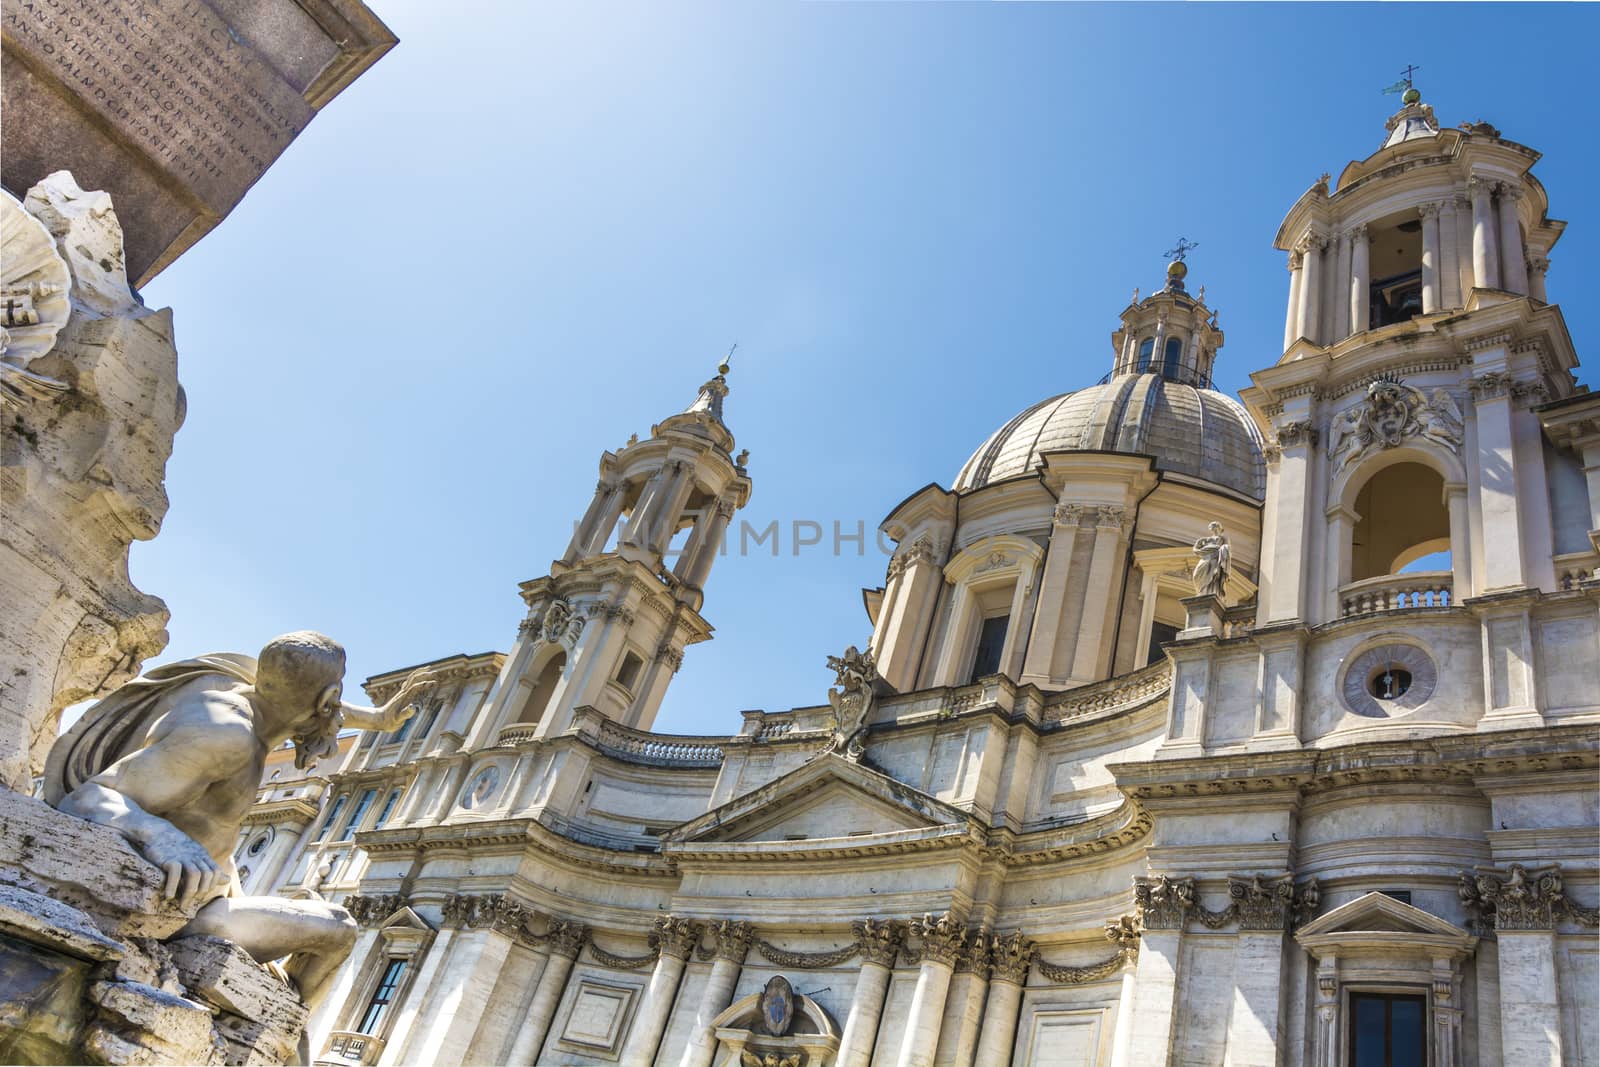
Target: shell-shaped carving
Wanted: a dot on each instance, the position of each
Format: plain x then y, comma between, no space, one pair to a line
34,285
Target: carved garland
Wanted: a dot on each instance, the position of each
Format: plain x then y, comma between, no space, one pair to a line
805,960
623,963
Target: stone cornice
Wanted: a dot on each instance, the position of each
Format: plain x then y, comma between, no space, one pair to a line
294,810
450,669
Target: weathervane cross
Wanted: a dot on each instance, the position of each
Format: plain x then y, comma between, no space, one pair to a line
1183,248
1409,71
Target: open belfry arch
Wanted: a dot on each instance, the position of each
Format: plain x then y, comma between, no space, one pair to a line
1189,729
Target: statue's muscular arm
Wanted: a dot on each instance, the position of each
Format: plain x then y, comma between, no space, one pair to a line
198,744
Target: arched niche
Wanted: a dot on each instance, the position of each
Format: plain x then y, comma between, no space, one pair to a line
812,1035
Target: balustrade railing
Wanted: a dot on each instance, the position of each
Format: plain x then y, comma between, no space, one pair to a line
1396,592
1125,691
348,1047
514,734
641,747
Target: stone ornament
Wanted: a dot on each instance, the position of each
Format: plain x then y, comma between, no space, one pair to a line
1521,899
750,1058
806,960
1363,673
1123,932
34,282
1262,903
943,937
674,937
1010,956
565,938
1163,901
975,957
373,910
1215,562
879,940
777,1006
732,938
1390,413
852,701
482,788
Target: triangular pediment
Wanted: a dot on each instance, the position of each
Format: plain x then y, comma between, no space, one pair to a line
827,798
1379,912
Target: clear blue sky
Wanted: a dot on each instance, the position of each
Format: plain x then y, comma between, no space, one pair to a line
532,230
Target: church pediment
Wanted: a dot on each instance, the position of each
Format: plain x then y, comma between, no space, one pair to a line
827,798
1377,922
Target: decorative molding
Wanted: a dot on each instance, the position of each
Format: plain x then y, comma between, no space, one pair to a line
457,910
1294,434
943,937
1493,385
878,940
372,910
807,960
1010,956
1390,413
1111,517
623,963
1262,903
1093,972
1163,901
731,940
975,956
1521,899
1068,514
675,937
565,938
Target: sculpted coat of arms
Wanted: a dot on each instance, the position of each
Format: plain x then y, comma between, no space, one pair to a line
1388,414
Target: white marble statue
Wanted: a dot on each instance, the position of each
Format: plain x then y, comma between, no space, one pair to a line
172,760
1216,560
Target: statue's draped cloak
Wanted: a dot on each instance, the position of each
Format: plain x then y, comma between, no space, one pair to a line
118,724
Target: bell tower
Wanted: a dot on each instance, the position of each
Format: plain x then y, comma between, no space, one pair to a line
607,627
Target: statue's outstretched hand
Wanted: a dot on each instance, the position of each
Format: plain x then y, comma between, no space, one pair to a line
189,868
398,708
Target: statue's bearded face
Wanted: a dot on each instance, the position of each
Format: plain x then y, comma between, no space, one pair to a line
318,736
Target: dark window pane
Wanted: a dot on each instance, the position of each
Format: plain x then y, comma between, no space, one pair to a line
355,816
381,996
991,641
1407,1032
1172,357
333,816
1160,633
1145,348
1367,1030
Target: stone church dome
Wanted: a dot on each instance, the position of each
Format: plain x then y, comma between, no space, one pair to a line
1189,430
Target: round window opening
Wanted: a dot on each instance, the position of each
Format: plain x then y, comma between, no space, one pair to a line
1390,682
257,845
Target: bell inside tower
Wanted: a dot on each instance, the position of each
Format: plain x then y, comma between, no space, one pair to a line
1395,294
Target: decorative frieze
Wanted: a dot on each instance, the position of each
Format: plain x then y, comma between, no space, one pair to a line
1495,385
1010,956
943,937
807,960
675,937
372,910
1521,899
878,940
1163,901
731,939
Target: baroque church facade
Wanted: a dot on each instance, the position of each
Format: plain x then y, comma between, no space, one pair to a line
1336,806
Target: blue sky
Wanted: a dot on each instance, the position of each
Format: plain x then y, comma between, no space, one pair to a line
532,230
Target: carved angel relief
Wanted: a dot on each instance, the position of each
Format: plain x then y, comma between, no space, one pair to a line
1388,414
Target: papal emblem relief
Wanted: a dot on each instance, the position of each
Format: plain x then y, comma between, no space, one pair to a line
777,1006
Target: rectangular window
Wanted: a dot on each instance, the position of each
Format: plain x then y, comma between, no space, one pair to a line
1160,634
388,807
333,815
628,673
1388,1030
991,642
381,997
354,824
399,733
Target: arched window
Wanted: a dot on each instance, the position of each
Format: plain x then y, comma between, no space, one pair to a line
539,698
1145,348
1403,521
1172,358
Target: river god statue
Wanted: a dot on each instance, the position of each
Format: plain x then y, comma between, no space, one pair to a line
172,760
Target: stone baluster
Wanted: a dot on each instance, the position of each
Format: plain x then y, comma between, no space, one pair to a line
1291,323
943,937
880,943
733,944
1360,280
1485,253
675,939
1513,264
1009,959
1430,257
565,940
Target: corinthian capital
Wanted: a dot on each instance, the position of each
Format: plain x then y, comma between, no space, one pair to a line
1163,901
943,937
675,937
1428,211
566,938
1358,233
1009,958
733,939
879,939
1509,191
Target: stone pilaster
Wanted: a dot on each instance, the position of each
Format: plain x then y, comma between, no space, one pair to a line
675,940
564,940
879,942
943,939
733,941
1010,956
1163,904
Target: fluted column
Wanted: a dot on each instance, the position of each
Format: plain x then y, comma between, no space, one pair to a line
566,941
1430,257
1360,281
1341,289
675,940
1292,321
1009,960
1513,266
1485,253
943,937
1449,255
879,942
733,944
1306,325
1537,267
